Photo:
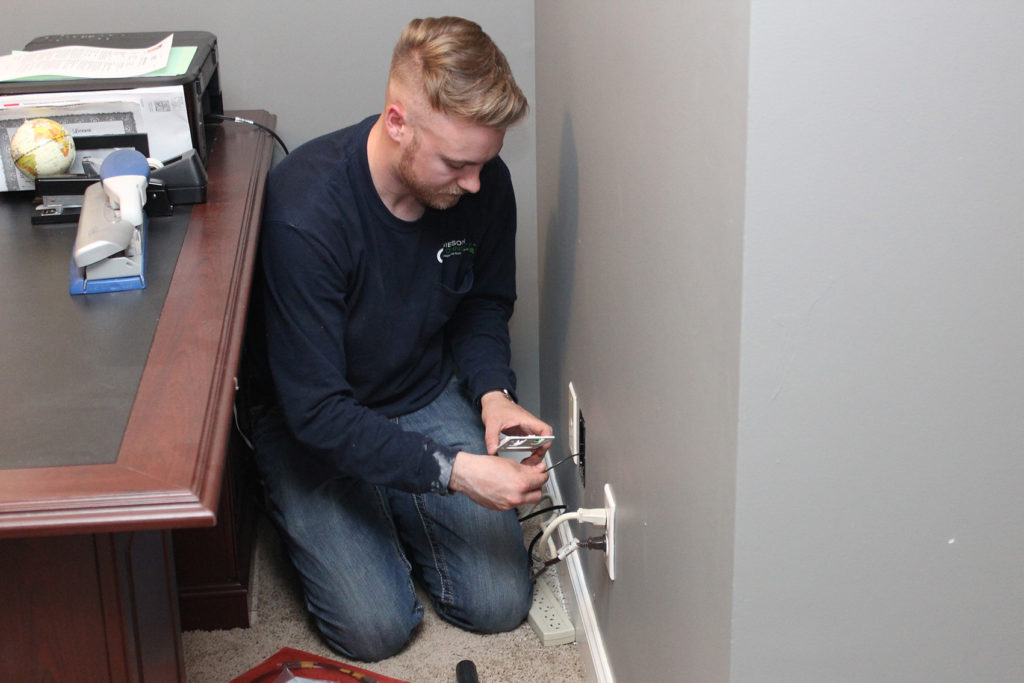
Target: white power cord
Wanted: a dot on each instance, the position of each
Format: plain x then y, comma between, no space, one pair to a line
595,516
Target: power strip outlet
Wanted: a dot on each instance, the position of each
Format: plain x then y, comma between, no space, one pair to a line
548,618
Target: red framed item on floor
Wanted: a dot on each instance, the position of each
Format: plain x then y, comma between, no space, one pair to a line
303,665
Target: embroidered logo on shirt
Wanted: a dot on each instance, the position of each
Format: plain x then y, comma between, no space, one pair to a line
455,248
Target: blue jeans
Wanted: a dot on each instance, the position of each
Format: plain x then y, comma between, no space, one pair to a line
358,547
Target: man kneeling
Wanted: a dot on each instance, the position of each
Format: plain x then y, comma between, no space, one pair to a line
379,354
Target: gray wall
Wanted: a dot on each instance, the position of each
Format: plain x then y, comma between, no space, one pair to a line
780,254
791,297
881,438
641,152
320,65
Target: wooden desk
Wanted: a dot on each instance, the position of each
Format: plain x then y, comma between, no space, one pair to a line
87,576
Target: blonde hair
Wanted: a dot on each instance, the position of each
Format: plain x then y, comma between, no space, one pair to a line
459,70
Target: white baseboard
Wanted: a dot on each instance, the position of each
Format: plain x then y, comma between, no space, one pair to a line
593,655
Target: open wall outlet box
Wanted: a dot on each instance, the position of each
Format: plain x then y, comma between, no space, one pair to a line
577,434
574,410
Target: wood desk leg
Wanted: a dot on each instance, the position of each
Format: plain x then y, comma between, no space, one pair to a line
89,608
214,564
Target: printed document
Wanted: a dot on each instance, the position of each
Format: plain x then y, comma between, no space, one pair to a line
81,61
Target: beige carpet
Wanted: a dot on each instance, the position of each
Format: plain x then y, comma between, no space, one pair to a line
280,620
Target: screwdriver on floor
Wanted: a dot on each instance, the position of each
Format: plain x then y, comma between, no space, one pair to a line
465,672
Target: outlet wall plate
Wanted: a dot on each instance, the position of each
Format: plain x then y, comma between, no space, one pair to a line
574,427
609,530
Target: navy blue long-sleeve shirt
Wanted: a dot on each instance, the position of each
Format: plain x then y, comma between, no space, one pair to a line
367,316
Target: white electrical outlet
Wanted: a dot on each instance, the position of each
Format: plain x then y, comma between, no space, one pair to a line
609,531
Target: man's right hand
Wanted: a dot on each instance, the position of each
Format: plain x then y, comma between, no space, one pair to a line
497,483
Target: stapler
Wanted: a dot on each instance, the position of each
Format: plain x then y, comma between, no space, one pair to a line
110,247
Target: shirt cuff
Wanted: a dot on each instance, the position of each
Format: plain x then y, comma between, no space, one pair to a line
445,458
493,381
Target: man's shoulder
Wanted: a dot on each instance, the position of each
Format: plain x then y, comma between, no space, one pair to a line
319,171
326,152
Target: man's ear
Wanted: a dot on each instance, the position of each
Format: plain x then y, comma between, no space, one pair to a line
395,121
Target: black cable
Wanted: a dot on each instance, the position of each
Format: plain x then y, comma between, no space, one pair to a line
544,565
544,497
533,544
239,119
568,457
543,568
541,512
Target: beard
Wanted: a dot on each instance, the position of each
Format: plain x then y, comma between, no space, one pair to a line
440,198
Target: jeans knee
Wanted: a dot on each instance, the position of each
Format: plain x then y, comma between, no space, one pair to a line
496,612
372,639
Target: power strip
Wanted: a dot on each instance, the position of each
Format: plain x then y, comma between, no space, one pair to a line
548,618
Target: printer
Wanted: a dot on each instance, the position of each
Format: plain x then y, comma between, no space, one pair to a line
80,101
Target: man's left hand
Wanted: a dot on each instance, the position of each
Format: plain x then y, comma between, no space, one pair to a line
502,415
